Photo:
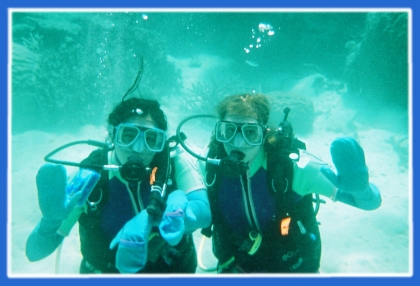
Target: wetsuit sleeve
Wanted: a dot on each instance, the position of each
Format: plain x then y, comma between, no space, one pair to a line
198,202
189,179
307,177
187,173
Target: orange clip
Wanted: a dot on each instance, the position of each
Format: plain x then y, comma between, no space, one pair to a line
153,176
284,226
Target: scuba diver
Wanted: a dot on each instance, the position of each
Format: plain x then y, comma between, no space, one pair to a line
137,200
260,183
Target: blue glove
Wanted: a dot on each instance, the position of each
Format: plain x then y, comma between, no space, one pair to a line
131,241
54,202
172,226
349,160
352,178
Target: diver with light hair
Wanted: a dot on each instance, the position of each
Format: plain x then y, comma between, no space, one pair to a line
261,182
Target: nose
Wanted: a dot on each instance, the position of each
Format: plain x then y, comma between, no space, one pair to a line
138,146
239,140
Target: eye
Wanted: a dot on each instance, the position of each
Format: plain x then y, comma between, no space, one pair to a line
252,133
151,139
230,130
128,135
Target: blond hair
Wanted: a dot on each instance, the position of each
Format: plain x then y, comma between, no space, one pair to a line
245,105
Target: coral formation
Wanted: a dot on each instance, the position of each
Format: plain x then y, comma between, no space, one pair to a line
377,67
205,95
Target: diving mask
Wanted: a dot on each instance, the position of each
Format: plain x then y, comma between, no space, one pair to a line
135,137
251,132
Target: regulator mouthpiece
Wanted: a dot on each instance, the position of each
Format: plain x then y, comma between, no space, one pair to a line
232,166
134,170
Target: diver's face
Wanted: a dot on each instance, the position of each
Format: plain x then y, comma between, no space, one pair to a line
238,143
139,149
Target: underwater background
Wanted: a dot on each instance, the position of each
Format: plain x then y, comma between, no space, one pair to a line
342,73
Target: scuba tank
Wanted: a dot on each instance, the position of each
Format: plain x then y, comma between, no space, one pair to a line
290,145
290,142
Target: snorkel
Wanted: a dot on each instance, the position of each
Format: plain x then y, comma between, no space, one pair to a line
158,175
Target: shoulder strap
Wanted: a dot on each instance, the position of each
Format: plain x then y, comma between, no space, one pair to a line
100,193
280,180
171,182
97,157
212,180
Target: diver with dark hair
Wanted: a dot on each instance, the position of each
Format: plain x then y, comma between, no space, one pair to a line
111,199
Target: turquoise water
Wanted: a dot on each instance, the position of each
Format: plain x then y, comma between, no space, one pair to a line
342,73
71,68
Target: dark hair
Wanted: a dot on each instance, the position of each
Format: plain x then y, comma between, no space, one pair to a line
140,107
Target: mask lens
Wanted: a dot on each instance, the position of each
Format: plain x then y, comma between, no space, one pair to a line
252,133
155,139
127,135
225,131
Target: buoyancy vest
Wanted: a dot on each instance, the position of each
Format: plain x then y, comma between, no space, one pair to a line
104,218
290,235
